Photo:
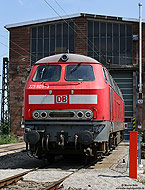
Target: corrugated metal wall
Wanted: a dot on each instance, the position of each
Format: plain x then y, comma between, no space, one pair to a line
124,79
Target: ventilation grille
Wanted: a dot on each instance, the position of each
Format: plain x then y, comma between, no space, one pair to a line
61,114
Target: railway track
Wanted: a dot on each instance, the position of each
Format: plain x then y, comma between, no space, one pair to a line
11,148
16,178
54,185
57,184
104,163
13,179
108,162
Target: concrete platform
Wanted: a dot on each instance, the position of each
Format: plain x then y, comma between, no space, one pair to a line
116,156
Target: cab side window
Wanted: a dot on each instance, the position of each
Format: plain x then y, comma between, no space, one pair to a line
105,77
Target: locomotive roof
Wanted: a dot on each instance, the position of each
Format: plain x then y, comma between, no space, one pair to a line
69,58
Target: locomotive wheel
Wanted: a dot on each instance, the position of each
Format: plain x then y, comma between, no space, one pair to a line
107,148
88,159
122,135
110,142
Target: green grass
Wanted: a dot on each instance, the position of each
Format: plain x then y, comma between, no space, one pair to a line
143,181
7,139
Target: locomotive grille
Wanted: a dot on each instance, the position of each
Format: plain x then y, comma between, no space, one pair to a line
61,114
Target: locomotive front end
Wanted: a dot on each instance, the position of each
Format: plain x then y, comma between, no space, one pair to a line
64,111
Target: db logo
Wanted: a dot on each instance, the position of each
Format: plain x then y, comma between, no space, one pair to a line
61,99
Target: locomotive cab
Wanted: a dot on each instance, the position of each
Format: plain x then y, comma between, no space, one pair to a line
71,107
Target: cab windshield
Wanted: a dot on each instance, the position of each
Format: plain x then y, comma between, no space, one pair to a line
47,73
79,72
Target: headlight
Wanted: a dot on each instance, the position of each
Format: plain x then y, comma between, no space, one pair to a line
89,114
44,114
80,114
36,115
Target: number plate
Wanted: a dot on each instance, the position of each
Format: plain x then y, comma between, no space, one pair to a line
61,99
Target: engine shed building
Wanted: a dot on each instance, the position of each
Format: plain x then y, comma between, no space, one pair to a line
111,40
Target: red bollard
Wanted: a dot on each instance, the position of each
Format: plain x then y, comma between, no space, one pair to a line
133,155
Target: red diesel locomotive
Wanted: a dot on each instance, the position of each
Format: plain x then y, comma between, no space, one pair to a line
72,106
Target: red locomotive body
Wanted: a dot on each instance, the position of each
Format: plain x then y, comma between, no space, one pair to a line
72,106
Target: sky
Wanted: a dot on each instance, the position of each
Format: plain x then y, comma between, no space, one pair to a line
15,11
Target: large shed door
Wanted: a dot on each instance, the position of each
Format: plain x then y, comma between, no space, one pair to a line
124,79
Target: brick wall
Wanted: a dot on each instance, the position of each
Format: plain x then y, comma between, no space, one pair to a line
80,35
19,62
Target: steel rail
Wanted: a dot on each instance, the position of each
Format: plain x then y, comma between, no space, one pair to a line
10,148
14,178
4,146
11,151
56,184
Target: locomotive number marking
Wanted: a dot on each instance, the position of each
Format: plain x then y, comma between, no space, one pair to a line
32,86
38,86
61,99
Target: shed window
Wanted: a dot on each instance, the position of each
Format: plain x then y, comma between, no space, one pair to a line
51,39
110,42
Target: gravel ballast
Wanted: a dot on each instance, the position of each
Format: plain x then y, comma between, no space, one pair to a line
100,180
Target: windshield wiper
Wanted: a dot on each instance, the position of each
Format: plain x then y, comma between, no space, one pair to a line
75,67
42,72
